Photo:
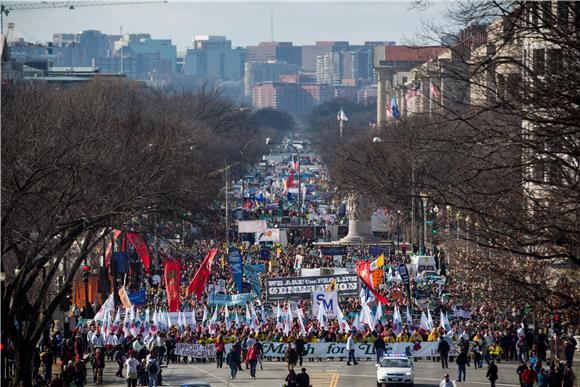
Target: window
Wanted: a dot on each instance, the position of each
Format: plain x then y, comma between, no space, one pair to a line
546,13
554,61
534,14
539,61
563,13
396,363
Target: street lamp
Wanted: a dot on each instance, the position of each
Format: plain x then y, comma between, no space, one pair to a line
398,230
424,199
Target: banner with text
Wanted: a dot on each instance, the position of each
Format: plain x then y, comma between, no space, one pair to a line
296,288
229,300
321,350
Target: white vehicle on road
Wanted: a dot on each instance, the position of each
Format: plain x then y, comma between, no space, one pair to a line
395,369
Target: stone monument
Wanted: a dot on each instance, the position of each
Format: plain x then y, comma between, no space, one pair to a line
359,210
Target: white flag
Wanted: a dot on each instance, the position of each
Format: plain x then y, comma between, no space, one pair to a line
342,323
204,318
236,319
169,323
429,319
248,315
424,324
356,322
379,312
340,116
409,319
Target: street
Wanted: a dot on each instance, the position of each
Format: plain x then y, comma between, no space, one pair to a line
322,374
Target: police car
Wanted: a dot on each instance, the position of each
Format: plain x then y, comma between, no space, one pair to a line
395,369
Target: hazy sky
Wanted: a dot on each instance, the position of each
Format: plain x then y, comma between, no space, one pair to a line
245,23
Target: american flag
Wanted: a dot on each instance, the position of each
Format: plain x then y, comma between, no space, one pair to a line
435,90
389,109
412,93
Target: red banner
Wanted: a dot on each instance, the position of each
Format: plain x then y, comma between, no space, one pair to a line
197,284
363,270
137,241
172,283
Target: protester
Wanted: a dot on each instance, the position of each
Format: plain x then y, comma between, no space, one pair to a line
131,373
303,379
461,362
291,357
447,382
379,347
350,348
291,379
233,360
492,373
443,351
252,359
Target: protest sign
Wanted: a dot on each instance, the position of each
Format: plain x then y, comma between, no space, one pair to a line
296,288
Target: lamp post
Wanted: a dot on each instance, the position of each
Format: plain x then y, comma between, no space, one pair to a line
398,230
424,199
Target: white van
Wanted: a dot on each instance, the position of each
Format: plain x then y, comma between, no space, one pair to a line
421,263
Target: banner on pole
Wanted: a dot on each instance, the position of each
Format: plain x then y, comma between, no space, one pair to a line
235,261
297,288
137,298
326,300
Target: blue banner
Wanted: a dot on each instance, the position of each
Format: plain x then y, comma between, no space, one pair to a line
292,196
265,253
341,250
235,261
229,300
252,276
375,251
137,298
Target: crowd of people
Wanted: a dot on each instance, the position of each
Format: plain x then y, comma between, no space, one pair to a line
139,353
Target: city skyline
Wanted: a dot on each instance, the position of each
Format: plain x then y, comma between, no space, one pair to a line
245,23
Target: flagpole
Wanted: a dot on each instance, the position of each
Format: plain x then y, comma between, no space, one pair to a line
340,125
430,96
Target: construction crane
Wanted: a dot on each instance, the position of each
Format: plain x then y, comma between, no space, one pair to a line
9,6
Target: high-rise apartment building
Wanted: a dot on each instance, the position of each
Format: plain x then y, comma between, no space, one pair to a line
310,53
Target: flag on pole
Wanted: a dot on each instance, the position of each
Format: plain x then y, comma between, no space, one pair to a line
395,108
204,318
378,263
169,323
340,116
236,319
197,284
429,319
435,91
411,93
424,324
364,273
173,283
320,318
397,321
342,323
409,319
379,312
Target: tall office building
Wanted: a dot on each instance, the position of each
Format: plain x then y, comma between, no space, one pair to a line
269,71
213,58
275,51
310,53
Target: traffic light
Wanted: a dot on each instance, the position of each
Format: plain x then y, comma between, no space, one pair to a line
557,324
434,229
86,272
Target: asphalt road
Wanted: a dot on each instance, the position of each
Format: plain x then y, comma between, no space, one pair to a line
322,374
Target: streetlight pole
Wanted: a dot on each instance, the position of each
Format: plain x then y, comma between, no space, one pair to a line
424,198
398,230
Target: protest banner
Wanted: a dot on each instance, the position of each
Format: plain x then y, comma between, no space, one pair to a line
321,350
326,300
229,300
339,250
297,288
137,298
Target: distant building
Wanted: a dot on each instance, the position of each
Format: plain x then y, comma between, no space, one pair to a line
275,51
213,58
269,71
330,68
293,98
310,53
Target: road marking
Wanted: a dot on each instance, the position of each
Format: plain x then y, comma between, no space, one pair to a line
226,382
334,381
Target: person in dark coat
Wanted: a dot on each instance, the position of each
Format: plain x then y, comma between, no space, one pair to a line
461,362
303,379
492,373
379,347
299,343
443,350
